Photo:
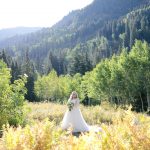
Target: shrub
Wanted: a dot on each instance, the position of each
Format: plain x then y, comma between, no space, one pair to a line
11,98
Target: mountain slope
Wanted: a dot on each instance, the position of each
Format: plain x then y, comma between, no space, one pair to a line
95,32
79,25
99,10
10,32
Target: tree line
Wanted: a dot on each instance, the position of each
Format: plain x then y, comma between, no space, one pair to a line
123,79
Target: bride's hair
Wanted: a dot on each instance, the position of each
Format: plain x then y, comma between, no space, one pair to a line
74,92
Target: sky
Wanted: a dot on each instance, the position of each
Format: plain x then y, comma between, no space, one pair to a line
36,13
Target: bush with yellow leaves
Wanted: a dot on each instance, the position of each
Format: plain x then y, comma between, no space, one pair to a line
127,131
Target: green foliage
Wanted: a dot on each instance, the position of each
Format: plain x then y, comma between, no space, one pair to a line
99,30
77,44
11,98
46,87
54,88
123,79
79,60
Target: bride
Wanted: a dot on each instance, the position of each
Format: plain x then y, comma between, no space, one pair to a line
73,117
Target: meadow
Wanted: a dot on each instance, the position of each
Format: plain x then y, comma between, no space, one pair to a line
121,130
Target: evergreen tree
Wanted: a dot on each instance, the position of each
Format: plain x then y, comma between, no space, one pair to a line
15,71
28,69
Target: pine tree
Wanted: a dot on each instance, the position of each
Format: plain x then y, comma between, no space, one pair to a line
28,68
15,71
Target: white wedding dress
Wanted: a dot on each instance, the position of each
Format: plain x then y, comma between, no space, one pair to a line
74,119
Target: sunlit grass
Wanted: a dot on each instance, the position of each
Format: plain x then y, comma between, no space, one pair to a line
55,112
121,130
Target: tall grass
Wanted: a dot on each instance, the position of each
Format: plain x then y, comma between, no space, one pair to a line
121,130
55,112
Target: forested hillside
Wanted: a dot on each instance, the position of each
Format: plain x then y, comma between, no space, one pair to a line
95,32
77,44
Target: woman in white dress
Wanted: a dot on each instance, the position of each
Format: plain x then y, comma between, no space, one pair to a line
73,118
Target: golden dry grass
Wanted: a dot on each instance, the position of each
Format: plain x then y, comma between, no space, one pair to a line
55,112
121,130
1,144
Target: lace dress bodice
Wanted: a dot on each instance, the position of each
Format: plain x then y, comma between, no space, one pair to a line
76,102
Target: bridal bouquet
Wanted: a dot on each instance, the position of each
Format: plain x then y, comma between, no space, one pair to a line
70,105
